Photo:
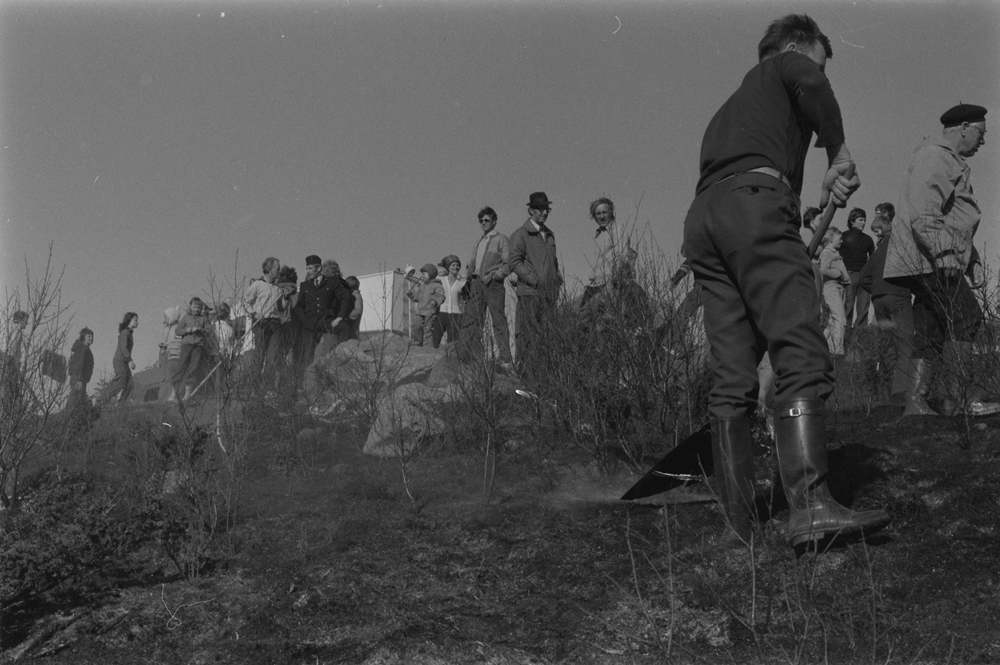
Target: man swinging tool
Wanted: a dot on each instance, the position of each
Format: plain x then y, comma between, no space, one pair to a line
741,238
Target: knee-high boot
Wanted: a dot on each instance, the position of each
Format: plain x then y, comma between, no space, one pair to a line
733,461
801,443
920,388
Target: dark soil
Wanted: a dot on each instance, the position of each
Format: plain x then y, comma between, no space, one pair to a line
332,562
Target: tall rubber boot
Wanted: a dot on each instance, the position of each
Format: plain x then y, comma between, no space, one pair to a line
962,398
920,388
801,445
732,458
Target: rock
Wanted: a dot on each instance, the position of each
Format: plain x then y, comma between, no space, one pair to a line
351,350
385,343
406,416
446,370
413,367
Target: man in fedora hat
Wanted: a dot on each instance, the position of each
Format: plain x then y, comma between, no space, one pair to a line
533,260
931,253
741,237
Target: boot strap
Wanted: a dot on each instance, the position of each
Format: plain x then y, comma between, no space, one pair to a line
800,409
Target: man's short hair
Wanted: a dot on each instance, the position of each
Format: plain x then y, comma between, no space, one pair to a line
854,214
798,29
886,210
352,283
809,215
487,211
268,264
20,316
84,332
602,201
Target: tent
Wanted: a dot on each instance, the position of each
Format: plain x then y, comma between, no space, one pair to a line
386,305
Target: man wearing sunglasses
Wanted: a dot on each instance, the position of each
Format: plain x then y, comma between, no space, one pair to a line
486,272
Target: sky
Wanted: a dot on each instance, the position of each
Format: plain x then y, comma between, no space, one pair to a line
158,145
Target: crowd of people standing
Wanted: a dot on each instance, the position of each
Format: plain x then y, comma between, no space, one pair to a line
277,325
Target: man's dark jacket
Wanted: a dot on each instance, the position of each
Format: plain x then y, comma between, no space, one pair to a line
318,306
81,362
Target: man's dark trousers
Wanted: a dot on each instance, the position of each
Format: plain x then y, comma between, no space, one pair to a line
492,296
944,309
741,237
262,333
897,310
530,330
856,296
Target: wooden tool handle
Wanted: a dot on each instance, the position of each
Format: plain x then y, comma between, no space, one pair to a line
824,223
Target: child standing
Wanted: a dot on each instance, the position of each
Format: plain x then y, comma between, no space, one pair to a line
192,329
428,295
835,280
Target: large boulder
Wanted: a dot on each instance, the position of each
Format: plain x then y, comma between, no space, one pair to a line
446,371
406,416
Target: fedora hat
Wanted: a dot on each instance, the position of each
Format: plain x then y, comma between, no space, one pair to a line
539,200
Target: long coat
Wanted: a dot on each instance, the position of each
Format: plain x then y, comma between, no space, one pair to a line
318,306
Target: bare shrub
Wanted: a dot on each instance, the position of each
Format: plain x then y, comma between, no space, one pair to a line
33,325
68,539
628,370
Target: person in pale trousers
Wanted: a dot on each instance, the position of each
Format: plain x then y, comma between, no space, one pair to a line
835,281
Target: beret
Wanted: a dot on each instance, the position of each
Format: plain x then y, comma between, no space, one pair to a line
956,115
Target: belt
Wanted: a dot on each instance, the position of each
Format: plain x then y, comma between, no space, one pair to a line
766,170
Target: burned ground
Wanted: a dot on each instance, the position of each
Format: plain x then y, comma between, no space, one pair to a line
330,561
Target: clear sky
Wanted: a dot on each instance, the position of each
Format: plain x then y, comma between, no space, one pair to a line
154,142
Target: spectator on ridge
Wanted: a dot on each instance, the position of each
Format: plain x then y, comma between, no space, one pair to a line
485,274
451,309
122,361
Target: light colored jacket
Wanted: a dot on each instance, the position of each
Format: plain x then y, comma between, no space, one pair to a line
496,258
264,300
937,215
452,294
832,266
428,297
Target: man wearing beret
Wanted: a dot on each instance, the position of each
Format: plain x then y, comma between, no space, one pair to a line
931,253
741,237
533,260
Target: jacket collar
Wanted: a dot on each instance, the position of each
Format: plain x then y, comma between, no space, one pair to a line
530,227
944,145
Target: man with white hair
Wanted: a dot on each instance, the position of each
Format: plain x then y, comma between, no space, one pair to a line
931,253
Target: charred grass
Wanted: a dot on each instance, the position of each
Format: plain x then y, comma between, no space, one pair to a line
330,562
